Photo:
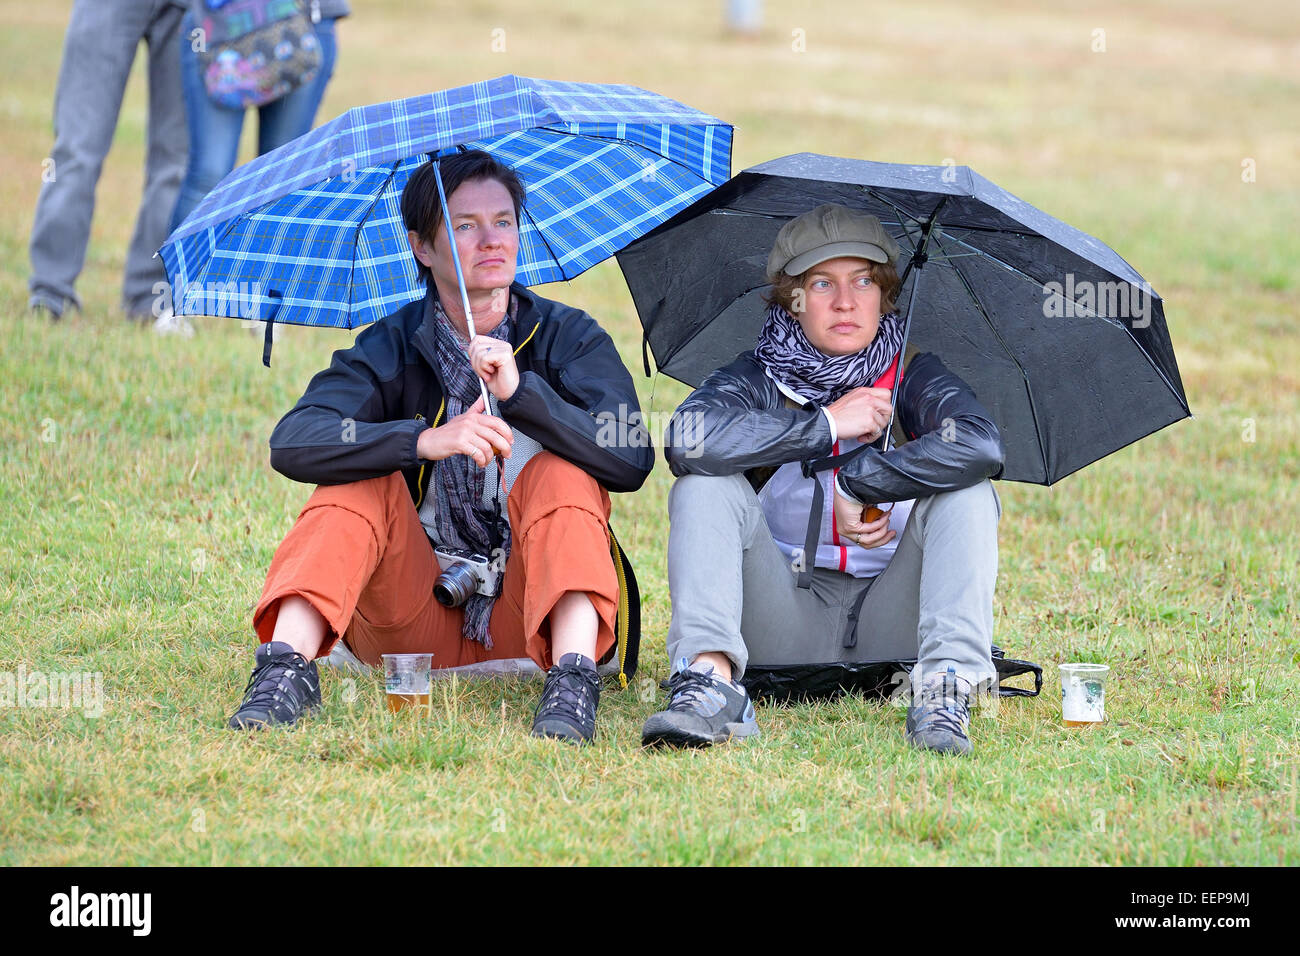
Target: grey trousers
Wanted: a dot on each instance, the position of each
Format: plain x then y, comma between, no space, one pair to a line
98,51
733,591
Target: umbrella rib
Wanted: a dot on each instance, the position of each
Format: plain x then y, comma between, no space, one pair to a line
640,146
901,214
1008,266
994,230
229,224
356,235
1105,318
1029,391
564,273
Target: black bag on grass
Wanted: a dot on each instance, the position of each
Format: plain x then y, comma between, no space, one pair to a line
880,679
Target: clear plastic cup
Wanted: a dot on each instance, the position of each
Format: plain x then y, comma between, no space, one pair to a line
406,678
1083,694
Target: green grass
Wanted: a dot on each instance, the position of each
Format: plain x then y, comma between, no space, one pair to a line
140,512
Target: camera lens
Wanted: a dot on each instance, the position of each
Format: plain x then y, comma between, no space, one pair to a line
455,586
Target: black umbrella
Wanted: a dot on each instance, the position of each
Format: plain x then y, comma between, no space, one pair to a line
1061,339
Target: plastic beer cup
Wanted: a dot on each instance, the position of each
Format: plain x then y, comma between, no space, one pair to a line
1083,694
406,678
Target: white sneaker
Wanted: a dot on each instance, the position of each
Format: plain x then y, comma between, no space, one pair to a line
169,323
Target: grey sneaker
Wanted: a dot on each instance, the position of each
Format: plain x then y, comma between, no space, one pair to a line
47,308
702,710
939,717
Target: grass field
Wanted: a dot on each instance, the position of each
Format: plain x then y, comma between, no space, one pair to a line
140,512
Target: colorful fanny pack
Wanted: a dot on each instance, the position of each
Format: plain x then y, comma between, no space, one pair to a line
256,51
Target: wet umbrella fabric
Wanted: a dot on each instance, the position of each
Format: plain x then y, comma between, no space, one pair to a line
311,233
1061,339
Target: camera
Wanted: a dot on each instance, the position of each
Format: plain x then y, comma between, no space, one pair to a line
464,574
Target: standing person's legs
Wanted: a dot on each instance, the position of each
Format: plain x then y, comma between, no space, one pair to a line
164,163
293,114
98,50
213,133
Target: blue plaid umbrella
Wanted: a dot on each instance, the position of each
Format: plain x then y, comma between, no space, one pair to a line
311,233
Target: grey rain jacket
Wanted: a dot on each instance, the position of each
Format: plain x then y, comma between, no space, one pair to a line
739,421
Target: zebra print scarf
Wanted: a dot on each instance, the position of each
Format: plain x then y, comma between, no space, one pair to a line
793,361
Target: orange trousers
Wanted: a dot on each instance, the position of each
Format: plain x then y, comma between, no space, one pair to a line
359,555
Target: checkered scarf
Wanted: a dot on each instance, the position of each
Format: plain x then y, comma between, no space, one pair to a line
461,519
793,361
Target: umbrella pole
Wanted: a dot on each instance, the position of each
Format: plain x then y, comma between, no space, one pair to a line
898,377
460,277
919,257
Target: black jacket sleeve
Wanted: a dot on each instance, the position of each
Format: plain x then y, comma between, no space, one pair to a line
723,427
953,441
341,429
600,427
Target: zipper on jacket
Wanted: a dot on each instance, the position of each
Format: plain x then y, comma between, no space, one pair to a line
419,481
530,336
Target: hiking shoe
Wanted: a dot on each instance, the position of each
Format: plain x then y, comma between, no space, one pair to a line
284,686
570,696
46,309
702,710
939,716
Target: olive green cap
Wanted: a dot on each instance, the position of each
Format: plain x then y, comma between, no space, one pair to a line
829,232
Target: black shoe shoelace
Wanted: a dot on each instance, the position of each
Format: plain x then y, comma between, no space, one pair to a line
569,692
688,688
269,679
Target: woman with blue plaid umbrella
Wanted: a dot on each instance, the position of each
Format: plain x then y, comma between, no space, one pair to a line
440,525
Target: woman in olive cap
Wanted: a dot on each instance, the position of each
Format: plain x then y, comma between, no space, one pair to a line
906,539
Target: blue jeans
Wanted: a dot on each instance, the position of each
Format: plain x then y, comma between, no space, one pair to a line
214,130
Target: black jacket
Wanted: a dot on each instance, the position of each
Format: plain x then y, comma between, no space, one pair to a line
360,418
739,421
